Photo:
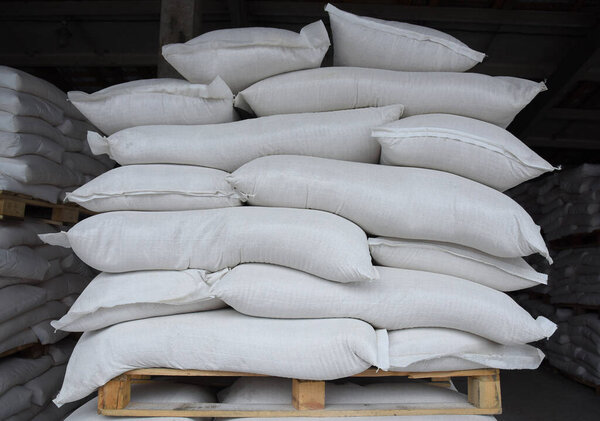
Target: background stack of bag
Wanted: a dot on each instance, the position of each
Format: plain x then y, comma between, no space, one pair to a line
43,152
296,266
38,283
566,205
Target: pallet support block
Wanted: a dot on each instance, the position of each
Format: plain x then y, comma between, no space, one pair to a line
115,394
308,394
484,391
12,208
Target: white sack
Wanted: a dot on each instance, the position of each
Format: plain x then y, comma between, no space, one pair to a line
50,310
156,101
24,82
17,371
18,299
118,297
400,299
63,285
363,41
223,340
22,233
243,56
503,274
39,191
156,187
22,124
18,339
23,262
46,334
459,145
493,99
315,242
20,103
76,129
82,163
34,169
438,349
397,202
344,135
17,144
45,387
15,400
155,392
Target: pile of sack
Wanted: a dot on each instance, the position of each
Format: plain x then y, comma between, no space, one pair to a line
563,203
38,283
370,239
43,152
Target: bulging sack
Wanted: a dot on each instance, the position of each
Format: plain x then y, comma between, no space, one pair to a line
463,146
113,298
496,100
411,203
312,241
156,188
362,41
35,169
502,274
156,101
223,340
400,299
344,135
243,56
20,103
438,349
17,144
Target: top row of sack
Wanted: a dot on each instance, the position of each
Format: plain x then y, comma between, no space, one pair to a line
244,56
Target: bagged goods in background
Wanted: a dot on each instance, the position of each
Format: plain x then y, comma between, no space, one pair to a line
20,103
400,299
438,349
362,41
304,349
156,188
118,297
463,146
17,144
243,56
33,169
493,99
157,392
400,202
156,101
502,274
315,242
344,135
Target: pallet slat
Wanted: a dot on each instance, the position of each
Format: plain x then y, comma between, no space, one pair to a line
14,205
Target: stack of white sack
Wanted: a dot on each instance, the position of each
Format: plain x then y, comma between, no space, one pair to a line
38,283
28,385
43,152
565,203
175,246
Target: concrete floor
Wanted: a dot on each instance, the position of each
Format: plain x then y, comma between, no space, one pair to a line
543,395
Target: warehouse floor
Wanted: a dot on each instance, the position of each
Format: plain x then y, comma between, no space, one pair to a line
543,395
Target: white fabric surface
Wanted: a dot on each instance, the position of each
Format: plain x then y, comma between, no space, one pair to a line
411,203
22,124
19,233
243,56
23,262
82,163
50,310
17,144
20,103
45,387
493,99
438,349
315,242
156,101
13,401
227,341
17,371
463,146
35,169
40,191
503,274
363,41
118,297
399,299
156,187
17,299
344,135
63,285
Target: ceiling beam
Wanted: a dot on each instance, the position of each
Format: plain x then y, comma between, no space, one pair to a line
562,142
79,59
571,69
90,8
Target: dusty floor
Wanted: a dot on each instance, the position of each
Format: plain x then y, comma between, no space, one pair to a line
543,395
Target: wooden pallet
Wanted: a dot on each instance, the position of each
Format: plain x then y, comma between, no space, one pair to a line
308,397
13,205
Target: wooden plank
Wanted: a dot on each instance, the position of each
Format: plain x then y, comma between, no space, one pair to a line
270,411
115,394
484,391
12,208
308,394
179,22
65,214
